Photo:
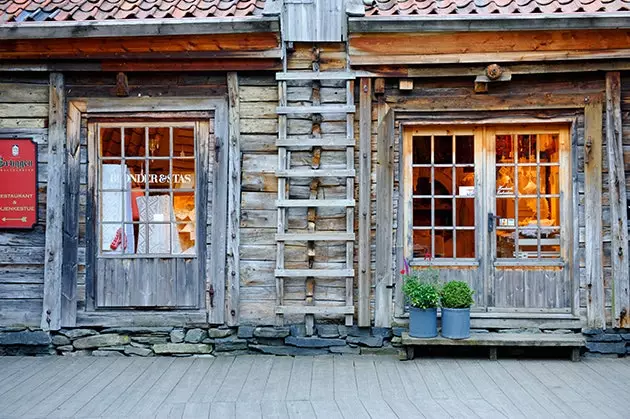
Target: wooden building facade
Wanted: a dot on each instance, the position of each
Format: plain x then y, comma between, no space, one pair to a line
255,166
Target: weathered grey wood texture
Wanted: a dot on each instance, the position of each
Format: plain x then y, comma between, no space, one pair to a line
53,253
326,386
314,20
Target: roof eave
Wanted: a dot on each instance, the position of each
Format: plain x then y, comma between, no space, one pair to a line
130,28
484,23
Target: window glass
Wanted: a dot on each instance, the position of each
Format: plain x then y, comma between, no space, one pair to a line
147,190
443,196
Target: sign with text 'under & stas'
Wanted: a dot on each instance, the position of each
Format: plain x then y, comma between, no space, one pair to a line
18,183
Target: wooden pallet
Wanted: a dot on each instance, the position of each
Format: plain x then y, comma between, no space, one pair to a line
493,341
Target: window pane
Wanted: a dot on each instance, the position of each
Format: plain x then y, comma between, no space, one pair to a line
549,179
183,142
506,247
465,182
548,144
464,149
444,244
527,182
527,148
159,142
159,174
443,149
504,149
465,244
550,242
443,180
505,180
135,142
422,212
110,142
465,212
155,232
422,149
444,212
421,243
422,181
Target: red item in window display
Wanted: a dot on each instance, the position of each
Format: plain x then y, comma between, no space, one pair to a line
120,238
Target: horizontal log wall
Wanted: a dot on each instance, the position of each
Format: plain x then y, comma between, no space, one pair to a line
24,114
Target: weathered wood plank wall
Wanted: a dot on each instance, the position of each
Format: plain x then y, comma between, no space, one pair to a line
24,114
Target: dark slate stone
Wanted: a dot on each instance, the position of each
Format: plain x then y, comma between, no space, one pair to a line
99,341
65,348
371,341
398,331
298,330
328,331
384,332
25,338
271,332
245,332
106,353
270,341
289,350
344,350
625,336
590,332
219,333
343,331
160,331
132,350
12,329
357,331
607,347
229,344
195,336
313,342
60,340
150,340
604,337
78,333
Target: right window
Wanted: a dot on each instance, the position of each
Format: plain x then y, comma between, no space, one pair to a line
527,194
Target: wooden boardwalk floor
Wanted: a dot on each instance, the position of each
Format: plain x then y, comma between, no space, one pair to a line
311,387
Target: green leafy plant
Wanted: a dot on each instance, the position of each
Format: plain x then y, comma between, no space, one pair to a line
421,286
456,294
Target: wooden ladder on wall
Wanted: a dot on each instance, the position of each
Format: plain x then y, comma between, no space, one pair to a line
314,142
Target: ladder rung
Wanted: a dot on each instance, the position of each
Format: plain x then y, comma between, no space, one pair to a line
316,173
320,273
314,203
314,310
329,237
285,110
316,75
304,141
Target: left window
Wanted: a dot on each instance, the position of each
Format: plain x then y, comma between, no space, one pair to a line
147,189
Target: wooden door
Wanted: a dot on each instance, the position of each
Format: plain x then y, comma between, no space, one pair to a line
529,219
442,198
149,204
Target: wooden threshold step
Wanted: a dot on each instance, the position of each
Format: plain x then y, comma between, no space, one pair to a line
320,273
315,203
290,110
330,237
316,75
314,310
316,173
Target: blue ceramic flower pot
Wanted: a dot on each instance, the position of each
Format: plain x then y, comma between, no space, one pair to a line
423,322
456,323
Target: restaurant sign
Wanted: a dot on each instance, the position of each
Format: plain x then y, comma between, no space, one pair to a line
18,183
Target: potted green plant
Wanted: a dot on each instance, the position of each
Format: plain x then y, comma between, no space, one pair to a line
421,288
456,297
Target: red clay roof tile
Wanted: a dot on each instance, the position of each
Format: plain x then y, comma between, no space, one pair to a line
492,7
81,10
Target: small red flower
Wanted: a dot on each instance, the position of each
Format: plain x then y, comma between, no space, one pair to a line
427,255
402,271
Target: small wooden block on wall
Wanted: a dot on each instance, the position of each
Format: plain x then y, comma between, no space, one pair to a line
406,84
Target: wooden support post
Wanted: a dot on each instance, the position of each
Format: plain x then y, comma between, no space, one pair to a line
384,224
234,202
53,255
618,203
593,217
71,218
365,197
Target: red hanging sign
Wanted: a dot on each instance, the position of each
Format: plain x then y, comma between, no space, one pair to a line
18,183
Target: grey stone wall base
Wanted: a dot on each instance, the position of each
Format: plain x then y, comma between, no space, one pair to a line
211,341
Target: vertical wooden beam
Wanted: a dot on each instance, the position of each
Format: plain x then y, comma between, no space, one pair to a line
593,214
218,268
384,221
91,240
53,255
618,203
71,218
234,202
365,197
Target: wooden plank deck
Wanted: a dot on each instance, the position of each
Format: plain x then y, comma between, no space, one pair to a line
312,387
